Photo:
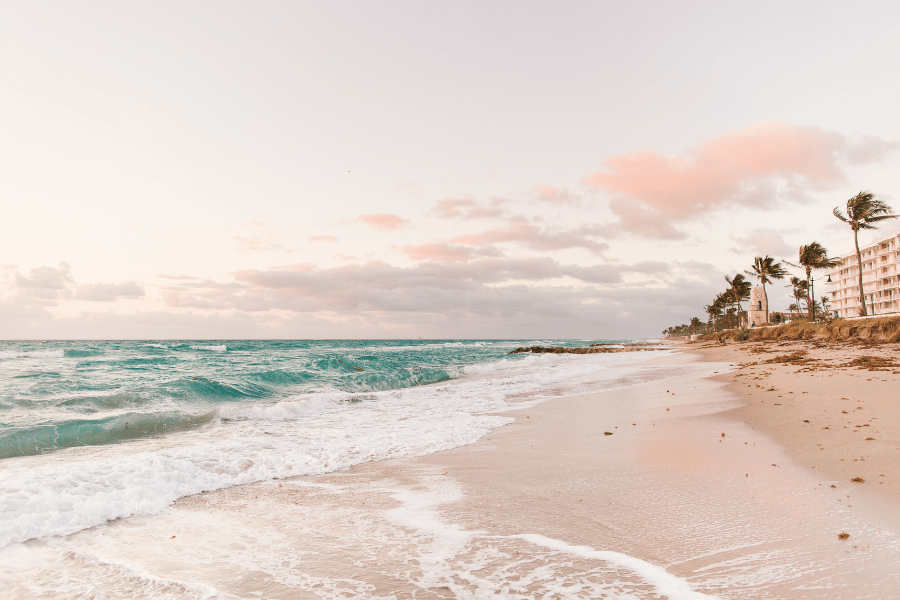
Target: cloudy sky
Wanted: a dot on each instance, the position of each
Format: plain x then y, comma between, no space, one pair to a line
405,169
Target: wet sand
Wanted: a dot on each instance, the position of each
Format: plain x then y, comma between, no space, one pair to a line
684,500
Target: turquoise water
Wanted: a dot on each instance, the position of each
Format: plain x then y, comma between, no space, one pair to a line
56,395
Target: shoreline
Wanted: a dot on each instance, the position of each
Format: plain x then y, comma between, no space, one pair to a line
681,501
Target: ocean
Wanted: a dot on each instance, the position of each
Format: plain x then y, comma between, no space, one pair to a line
189,470
92,431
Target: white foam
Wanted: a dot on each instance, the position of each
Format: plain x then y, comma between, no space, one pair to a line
449,541
69,490
432,346
221,348
289,409
33,354
47,571
666,584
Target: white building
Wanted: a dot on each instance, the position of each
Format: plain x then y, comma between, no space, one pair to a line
880,261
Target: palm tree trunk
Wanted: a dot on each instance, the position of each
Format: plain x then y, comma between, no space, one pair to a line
766,295
862,295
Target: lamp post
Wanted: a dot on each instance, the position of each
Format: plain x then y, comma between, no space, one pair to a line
812,291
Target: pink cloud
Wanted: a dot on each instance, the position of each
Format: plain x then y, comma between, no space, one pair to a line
109,292
450,287
468,208
554,195
46,278
175,277
257,243
298,267
758,166
178,300
266,240
763,241
536,238
444,252
383,221
44,285
326,237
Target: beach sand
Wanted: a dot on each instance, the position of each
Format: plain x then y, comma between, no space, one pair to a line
835,407
701,490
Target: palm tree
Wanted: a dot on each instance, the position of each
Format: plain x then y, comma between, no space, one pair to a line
792,308
813,256
727,301
863,209
766,269
719,305
800,293
732,319
695,325
739,290
712,311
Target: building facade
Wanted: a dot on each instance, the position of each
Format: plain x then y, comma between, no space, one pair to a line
880,261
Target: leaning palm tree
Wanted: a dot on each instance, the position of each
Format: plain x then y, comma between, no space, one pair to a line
813,256
863,209
720,303
739,290
723,301
728,299
766,269
712,312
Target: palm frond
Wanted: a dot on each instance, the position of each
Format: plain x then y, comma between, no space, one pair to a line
882,218
864,209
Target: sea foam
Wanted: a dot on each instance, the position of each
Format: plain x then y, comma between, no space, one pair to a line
33,354
70,490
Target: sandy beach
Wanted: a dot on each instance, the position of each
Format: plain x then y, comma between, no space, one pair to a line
832,406
675,481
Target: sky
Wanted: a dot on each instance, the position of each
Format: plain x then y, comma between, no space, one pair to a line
227,170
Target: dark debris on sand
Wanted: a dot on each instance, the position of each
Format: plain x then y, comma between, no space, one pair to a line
591,350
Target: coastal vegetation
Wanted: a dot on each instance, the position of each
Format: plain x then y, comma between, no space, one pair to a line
725,311
868,331
811,257
696,326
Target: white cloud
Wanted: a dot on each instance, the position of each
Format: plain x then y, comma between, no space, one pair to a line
109,292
